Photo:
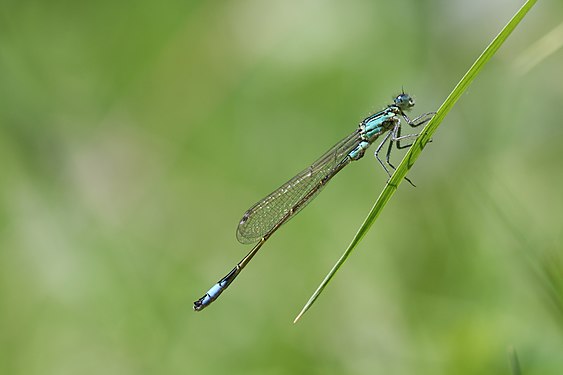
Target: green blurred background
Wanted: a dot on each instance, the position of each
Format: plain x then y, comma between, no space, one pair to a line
133,136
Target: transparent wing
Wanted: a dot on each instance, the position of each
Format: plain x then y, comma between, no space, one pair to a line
265,214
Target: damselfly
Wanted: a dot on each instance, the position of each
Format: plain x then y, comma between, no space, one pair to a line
265,217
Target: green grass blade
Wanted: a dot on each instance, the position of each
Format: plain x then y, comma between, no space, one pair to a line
513,361
417,147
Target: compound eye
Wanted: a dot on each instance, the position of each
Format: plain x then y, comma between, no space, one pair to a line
404,101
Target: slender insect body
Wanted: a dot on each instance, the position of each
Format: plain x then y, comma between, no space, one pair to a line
265,217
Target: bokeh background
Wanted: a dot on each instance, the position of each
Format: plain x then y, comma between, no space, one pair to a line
133,136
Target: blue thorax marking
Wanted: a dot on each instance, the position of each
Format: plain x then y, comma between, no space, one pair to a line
371,128
379,123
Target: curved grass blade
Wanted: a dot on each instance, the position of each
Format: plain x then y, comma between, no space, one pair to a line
417,147
515,368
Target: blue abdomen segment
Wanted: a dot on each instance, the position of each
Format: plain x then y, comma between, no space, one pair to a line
216,290
359,151
209,297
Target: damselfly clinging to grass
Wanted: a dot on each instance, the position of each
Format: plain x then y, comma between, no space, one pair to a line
265,217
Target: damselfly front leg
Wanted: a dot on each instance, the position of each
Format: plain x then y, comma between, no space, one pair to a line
420,120
394,136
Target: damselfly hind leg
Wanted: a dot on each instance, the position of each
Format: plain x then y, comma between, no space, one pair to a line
379,149
389,137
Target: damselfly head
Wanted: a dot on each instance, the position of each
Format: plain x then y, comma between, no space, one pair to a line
404,101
